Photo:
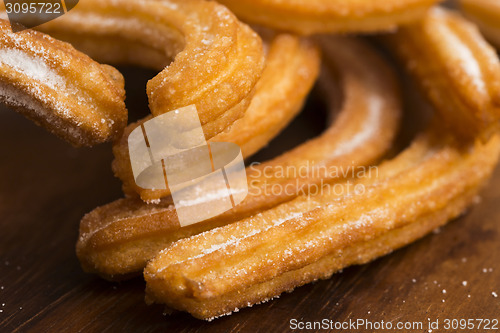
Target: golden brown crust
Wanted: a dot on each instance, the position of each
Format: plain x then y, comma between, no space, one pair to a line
456,68
43,79
330,16
119,238
218,60
258,258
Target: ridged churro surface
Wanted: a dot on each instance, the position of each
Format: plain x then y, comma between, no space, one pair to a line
41,78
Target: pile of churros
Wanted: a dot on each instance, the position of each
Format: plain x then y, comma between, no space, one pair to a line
247,83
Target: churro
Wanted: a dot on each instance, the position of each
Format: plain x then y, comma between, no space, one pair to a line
258,258
41,78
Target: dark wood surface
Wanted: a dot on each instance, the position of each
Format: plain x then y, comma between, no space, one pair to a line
47,186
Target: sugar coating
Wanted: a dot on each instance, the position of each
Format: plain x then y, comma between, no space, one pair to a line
34,68
236,240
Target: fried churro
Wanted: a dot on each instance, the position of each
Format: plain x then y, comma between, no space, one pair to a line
41,78
258,258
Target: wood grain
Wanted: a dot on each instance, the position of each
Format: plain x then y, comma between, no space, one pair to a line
47,186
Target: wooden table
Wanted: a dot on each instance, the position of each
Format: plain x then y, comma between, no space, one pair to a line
47,186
